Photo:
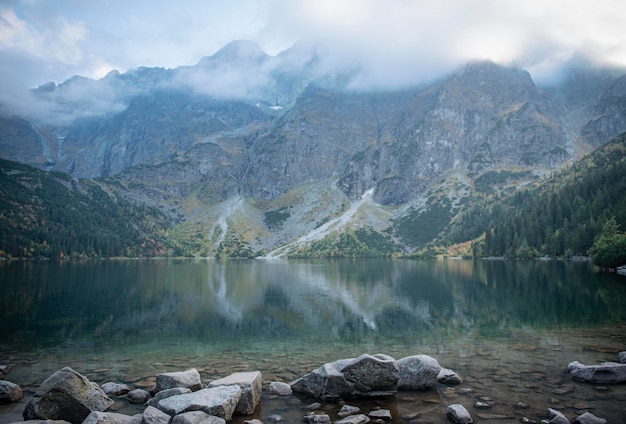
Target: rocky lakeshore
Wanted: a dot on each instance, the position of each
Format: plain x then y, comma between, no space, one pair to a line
368,388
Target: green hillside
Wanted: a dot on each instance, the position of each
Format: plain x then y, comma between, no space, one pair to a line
559,216
49,214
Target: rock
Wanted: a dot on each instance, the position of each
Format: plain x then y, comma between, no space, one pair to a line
9,392
482,405
152,415
354,419
280,389
383,414
138,396
254,421
115,389
4,369
366,375
418,372
197,417
98,417
163,394
276,418
588,418
170,380
557,417
348,410
317,419
622,357
314,406
458,414
66,395
219,401
448,377
605,373
250,384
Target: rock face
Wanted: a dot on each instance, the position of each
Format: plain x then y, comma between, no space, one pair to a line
250,384
605,373
170,380
9,392
66,395
218,401
366,375
418,372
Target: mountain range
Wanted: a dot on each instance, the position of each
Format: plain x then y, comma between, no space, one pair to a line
246,154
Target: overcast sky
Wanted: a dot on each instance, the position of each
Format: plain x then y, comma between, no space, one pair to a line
401,40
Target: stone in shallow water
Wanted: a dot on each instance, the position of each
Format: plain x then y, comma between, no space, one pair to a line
605,373
280,389
417,372
383,414
588,418
317,419
9,392
348,410
197,417
458,414
169,380
115,389
250,384
138,396
219,401
66,395
354,419
163,394
449,377
98,417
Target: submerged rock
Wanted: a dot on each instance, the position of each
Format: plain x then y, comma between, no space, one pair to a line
115,389
354,419
66,395
605,373
250,384
366,375
317,419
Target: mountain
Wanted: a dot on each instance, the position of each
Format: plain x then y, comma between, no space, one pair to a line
250,154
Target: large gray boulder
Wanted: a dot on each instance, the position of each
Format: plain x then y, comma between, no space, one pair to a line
250,384
9,392
605,373
66,395
364,376
219,401
418,372
170,380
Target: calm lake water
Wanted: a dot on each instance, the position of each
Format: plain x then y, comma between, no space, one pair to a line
508,327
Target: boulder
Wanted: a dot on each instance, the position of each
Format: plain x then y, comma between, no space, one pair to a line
557,417
167,393
449,377
219,401
115,389
152,415
354,419
313,418
169,380
418,372
98,417
66,395
280,388
605,373
250,384
366,375
9,392
138,396
588,418
458,414
197,417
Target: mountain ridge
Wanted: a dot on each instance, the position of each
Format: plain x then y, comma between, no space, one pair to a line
265,129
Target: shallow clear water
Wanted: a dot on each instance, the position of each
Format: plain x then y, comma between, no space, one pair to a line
509,328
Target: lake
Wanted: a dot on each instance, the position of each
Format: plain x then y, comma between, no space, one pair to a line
509,328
